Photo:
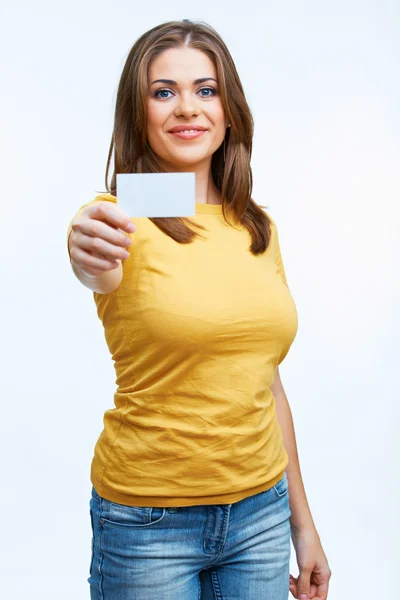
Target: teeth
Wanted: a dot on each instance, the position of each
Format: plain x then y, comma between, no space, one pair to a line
188,131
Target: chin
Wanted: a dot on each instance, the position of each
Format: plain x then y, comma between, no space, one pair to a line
186,158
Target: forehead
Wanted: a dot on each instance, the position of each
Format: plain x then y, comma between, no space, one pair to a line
182,64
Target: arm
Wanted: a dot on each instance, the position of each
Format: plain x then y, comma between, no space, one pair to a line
314,571
301,518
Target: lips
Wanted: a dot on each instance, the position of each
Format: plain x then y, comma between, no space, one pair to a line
186,128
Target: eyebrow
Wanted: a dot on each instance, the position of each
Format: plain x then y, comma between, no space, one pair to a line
172,82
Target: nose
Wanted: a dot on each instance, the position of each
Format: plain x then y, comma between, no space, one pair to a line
187,106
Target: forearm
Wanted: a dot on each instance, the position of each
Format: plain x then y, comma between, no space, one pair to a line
102,284
301,518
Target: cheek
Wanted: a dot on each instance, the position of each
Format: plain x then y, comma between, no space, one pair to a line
151,118
217,106
154,116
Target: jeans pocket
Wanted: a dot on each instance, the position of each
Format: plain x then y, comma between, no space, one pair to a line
123,515
282,486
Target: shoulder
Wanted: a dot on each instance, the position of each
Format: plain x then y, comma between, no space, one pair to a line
270,219
273,233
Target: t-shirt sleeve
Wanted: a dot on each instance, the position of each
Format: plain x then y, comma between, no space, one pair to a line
276,250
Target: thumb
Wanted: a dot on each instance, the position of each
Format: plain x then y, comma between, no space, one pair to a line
303,584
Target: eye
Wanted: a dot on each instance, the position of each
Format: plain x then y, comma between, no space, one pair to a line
208,88
214,92
159,92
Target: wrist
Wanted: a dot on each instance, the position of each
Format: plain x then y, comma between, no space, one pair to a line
305,529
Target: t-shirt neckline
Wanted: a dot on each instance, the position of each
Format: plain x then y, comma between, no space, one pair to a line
208,209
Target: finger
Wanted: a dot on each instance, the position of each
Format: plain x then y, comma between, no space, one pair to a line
293,586
313,591
322,591
303,584
92,265
96,245
112,213
95,228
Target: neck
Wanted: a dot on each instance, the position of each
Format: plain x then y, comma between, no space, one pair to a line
206,192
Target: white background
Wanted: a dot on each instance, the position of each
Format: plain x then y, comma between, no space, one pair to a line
322,81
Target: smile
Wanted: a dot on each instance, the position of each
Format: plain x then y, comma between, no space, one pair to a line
188,134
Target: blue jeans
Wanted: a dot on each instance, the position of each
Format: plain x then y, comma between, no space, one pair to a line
238,551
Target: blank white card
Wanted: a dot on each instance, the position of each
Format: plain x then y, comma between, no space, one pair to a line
157,194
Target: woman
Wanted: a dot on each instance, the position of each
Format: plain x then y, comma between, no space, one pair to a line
196,485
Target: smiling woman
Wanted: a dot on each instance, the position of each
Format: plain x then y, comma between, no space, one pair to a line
190,477
185,56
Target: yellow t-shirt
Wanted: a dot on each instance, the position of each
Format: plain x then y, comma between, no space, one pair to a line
196,332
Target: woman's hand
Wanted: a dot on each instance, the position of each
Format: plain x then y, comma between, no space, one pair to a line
314,576
95,244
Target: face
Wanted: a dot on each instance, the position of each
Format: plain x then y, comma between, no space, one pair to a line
184,103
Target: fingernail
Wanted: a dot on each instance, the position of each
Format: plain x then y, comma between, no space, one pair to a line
303,596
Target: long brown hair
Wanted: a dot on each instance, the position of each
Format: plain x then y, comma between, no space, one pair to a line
133,154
